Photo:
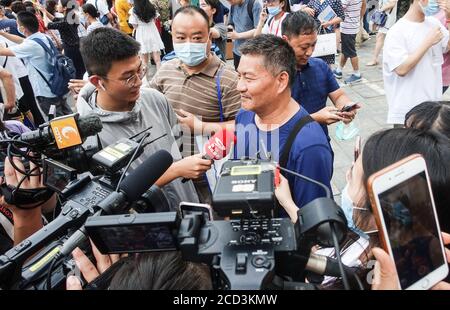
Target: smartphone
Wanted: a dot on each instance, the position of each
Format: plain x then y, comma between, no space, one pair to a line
131,233
57,175
357,149
349,107
405,213
190,207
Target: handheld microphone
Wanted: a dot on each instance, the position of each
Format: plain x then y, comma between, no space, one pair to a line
64,132
218,146
325,265
131,189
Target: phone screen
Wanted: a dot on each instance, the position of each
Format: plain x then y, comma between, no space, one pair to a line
412,229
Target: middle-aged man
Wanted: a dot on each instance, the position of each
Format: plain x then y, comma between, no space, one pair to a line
197,83
314,81
270,115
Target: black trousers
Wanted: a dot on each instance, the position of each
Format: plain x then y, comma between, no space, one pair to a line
28,101
73,52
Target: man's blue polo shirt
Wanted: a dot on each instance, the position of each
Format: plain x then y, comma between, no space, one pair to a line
310,153
312,85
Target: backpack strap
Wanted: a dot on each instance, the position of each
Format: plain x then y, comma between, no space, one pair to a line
219,93
291,138
6,57
48,51
250,9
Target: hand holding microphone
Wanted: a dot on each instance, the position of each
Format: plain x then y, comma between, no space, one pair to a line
217,147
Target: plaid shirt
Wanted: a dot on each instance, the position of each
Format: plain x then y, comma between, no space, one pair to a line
312,85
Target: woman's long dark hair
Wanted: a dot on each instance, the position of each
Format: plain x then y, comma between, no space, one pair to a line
144,10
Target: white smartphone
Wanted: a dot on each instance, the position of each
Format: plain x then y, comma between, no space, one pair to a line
191,207
405,213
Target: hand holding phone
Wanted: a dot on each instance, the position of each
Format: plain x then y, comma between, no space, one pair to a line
349,107
406,217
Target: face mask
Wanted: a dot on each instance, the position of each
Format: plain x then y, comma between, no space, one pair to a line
190,54
347,207
431,9
18,30
273,10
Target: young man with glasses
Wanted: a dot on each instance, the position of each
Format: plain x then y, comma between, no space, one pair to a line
125,109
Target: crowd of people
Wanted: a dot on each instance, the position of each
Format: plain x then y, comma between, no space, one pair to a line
274,98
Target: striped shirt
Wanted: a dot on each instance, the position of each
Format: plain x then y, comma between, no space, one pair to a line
198,94
352,11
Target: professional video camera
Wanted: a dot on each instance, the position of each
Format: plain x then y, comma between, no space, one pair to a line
86,197
252,251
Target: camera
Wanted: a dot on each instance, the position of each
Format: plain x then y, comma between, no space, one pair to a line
130,233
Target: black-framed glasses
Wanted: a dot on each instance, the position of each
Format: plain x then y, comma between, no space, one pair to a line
132,80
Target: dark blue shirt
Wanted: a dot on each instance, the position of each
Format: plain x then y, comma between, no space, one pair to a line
10,26
310,153
312,85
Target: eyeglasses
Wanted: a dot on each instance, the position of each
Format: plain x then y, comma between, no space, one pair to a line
131,81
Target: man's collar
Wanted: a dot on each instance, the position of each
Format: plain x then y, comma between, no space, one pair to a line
209,70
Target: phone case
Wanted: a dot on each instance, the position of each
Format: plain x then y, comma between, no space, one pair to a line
383,239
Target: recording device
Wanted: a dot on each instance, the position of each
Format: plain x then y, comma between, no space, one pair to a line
116,156
405,213
218,146
131,233
57,176
187,208
245,189
349,107
88,197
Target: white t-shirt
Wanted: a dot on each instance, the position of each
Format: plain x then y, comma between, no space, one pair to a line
102,7
424,81
274,27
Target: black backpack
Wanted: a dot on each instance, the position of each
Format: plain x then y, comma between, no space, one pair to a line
62,69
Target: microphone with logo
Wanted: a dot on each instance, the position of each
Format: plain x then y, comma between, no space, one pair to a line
62,133
218,146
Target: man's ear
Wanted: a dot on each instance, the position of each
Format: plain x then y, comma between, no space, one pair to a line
97,82
283,81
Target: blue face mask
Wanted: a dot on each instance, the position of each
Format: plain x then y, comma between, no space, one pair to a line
431,9
273,10
190,54
347,207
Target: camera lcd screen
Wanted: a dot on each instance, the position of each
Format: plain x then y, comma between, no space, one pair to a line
412,229
136,238
57,177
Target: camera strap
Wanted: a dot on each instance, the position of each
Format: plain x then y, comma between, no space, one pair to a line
284,157
19,196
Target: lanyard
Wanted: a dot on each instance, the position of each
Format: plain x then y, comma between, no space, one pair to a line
278,26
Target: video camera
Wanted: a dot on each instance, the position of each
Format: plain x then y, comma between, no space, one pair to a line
252,250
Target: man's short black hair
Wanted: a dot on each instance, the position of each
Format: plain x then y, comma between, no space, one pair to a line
277,53
298,23
29,21
6,3
191,10
105,45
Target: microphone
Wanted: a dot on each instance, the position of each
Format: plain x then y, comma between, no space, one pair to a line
65,131
218,146
324,265
131,189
